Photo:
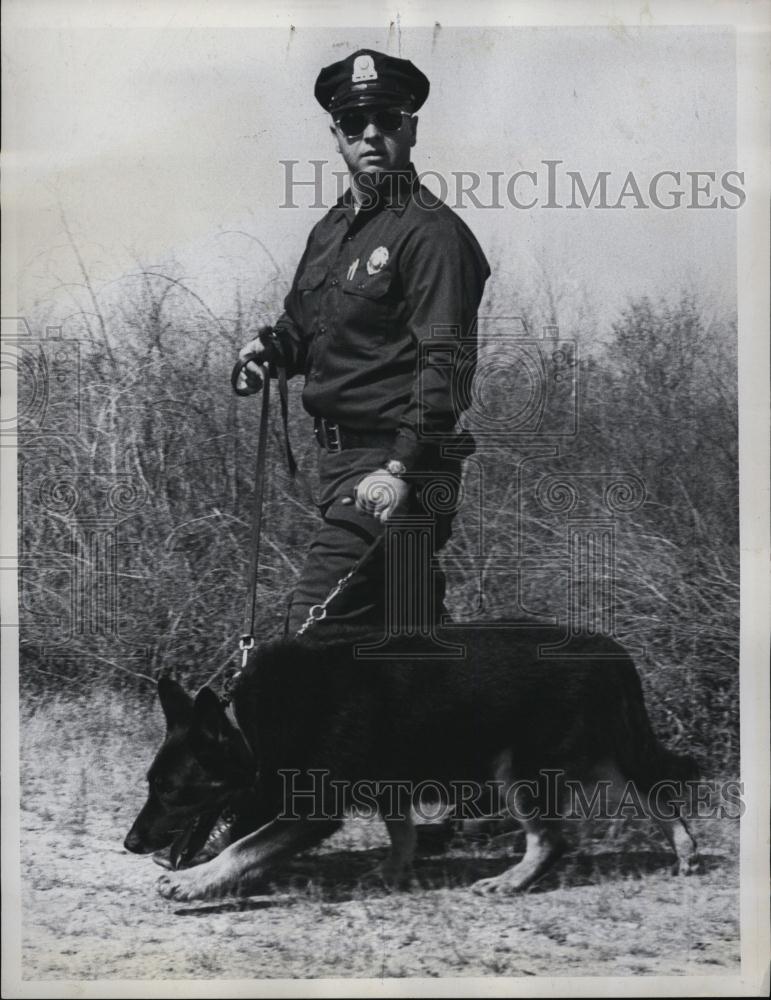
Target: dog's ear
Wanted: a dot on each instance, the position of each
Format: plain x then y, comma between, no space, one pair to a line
176,703
209,719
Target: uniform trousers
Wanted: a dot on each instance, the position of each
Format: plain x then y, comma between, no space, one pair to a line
401,588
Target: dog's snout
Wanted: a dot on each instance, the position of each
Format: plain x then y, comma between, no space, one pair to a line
133,843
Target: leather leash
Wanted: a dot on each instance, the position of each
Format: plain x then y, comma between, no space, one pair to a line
246,642
319,611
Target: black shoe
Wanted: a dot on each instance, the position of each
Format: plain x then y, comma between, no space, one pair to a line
433,838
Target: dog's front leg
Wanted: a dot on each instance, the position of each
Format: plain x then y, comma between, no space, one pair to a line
245,860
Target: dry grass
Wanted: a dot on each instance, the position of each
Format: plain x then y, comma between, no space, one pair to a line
91,911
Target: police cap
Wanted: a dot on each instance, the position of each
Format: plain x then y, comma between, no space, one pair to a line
367,77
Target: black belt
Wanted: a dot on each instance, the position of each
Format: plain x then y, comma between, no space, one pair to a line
334,438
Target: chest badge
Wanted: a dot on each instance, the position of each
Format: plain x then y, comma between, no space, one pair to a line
352,269
377,260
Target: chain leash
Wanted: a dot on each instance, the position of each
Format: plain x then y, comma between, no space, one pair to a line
318,612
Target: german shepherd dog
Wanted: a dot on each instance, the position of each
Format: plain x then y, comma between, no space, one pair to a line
315,719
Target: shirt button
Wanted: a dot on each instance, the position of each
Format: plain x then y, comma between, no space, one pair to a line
322,329
334,282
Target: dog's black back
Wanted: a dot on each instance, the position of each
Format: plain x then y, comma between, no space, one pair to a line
303,706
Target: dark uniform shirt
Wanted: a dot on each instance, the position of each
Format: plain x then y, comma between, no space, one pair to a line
372,286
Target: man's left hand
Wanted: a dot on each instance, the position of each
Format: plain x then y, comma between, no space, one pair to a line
381,494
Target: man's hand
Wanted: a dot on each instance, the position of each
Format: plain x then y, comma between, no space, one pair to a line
249,377
381,494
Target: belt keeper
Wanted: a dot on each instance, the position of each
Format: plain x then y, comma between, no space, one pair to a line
334,443
328,435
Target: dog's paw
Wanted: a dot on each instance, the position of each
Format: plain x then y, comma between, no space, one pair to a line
186,885
687,866
496,887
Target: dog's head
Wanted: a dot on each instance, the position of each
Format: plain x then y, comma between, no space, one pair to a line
202,766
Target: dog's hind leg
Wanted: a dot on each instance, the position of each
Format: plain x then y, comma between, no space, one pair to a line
544,845
679,836
665,810
659,802
246,860
665,805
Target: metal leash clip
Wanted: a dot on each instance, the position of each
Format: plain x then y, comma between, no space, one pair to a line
318,612
245,643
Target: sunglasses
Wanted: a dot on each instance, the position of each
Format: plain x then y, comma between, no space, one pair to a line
353,123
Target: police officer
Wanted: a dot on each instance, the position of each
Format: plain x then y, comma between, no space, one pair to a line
381,320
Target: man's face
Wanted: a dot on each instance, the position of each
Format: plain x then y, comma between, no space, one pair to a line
376,139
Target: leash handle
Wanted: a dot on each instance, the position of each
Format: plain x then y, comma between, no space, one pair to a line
247,640
239,367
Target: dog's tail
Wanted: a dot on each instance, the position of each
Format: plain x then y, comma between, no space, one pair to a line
645,760
677,767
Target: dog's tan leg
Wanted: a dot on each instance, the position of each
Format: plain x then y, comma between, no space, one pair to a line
247,859
544,846
682,843
674,829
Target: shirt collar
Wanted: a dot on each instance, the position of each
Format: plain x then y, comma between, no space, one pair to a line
400,188
397,190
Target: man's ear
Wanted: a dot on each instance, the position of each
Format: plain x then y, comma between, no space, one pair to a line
176,703
209,720
414,130
336,137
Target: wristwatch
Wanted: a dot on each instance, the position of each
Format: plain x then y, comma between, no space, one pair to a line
395,468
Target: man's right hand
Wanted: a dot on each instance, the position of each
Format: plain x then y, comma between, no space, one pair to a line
249,378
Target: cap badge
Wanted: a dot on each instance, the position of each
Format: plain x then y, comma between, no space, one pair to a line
377,260
363,69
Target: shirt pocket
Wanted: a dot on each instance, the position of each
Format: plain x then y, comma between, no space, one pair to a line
370,303
371,286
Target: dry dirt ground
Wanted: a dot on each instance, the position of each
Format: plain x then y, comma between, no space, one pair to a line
90,910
